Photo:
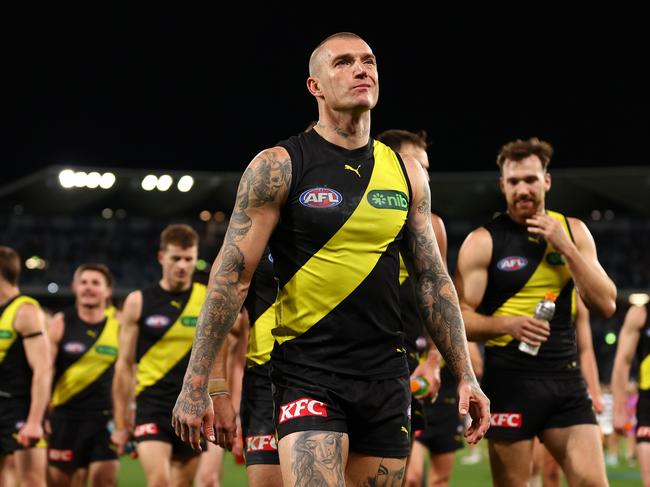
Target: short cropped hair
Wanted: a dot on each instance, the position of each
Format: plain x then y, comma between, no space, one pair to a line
9,265
521,149
178,234
91,266
394,138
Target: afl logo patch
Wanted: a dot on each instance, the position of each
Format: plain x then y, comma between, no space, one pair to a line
320,198
512,263
156,321
74,348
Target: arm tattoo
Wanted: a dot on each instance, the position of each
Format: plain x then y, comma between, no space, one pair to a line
266,180
317,459
435,294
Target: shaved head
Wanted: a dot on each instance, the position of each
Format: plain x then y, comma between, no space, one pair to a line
315,60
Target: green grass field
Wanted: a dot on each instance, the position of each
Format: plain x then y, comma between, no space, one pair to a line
462,476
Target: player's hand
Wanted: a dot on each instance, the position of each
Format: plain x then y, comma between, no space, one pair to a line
193,413
472,401
597,403
620,420
528,330
29,434
120,437
225,421
432,374
551,229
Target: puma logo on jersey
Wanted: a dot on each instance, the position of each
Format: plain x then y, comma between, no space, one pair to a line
350,168
175,304
403,428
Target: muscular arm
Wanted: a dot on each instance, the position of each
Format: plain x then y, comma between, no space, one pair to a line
55,332
262,190
125,366
441,236
628,340
587,356
471,282
595,287
438,303
435,293
29,321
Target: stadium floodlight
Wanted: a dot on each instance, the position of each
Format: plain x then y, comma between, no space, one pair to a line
66,178
639,299
107,181
185,183
149,182
93,179
79,179
164,182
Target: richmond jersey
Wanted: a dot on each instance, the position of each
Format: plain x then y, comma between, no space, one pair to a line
166,333
84,365
336,256
523,268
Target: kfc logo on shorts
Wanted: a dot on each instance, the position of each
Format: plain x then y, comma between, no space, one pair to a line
505,420
320,198
60,455
512,263
301,408
643,432
146,429
261,443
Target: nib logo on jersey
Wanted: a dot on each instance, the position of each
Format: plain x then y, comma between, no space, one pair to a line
320,198
506,420
261,443
388,199
301,408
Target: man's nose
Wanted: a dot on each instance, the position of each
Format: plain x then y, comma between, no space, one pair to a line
360,69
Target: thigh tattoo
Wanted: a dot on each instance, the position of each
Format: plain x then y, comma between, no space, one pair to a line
318,459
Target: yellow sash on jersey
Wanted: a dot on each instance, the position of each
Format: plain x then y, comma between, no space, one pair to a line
260,338
7,333
403,271
348,257
547,277
644,374
173,345
91,365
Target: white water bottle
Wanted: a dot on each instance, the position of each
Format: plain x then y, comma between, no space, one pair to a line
544,310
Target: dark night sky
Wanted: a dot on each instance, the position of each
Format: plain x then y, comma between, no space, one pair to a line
204,92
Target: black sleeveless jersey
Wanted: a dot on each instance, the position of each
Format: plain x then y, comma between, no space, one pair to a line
643,355
261,312
15,372
166,333
523,268
336,255
84,366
